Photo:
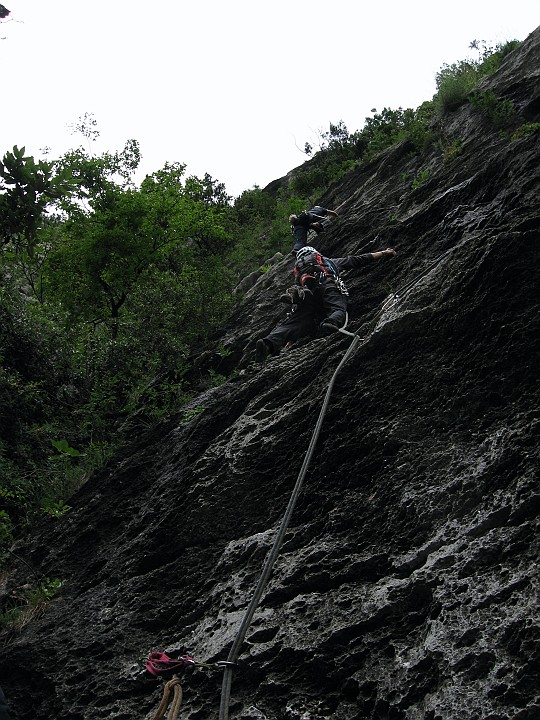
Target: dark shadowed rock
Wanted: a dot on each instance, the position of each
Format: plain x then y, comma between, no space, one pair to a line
407,586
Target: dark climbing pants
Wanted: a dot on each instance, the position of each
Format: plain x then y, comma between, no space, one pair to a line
327,304
335,305
300,237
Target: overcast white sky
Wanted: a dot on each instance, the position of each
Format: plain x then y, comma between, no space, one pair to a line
230,88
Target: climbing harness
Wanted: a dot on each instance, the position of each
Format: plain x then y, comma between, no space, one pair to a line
311,269
310,261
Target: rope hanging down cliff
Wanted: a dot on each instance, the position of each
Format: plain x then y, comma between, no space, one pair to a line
271,558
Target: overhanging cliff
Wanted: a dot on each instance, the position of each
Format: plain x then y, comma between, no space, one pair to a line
407,587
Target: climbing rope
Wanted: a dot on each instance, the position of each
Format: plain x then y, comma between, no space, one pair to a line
274,551
174,685
343,328
280,535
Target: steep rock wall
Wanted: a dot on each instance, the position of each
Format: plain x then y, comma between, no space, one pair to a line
407,587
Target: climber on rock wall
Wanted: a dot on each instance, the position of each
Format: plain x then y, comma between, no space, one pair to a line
318,297
306,221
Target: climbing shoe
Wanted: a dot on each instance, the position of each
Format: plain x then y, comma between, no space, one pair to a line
327,327
261,351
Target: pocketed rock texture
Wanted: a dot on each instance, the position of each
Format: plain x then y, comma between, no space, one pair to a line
407,585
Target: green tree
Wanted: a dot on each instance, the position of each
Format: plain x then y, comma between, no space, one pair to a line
111,243
197,210
27,189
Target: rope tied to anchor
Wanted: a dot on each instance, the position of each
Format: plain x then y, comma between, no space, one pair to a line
159,664
171,685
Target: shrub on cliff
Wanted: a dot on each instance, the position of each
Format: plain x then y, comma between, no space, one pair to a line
454,82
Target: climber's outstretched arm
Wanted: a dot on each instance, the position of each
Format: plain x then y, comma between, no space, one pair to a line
383,253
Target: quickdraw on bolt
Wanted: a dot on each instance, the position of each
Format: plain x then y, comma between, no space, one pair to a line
159,664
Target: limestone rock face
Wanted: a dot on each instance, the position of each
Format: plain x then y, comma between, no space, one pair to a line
407,585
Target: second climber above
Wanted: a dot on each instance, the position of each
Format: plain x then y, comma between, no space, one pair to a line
306,221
